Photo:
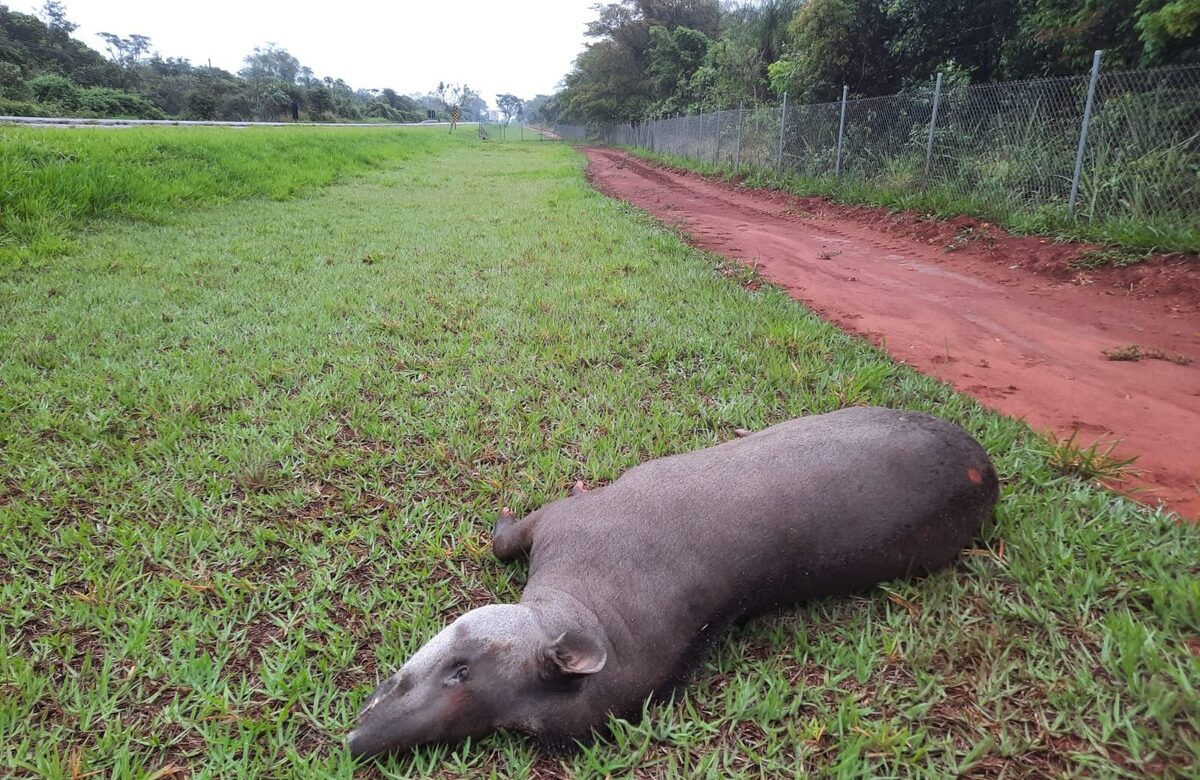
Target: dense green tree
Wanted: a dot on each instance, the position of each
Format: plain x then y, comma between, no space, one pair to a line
408,108
273,74
132,82
319,99
509,105
35,47
612,79
12,83
675,57
647,58
1170,32
925,35
836,42
543,109
607,84
1057,37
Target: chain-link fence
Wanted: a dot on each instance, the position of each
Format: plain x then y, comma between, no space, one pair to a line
1002,148
516,130
564,132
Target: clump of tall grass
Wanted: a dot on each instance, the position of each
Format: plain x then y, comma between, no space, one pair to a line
54,182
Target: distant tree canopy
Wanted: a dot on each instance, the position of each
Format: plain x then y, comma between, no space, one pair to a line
542,110
654,57
46,72
510,106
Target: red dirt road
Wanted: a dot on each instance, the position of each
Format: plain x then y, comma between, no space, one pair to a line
987,315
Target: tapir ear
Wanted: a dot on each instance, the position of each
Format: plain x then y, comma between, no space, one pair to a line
575,653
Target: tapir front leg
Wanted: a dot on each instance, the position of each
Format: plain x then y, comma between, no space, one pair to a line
512,537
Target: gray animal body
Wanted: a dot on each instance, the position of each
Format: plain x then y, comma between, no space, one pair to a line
629,584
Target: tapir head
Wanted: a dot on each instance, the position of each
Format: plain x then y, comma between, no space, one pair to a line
493,667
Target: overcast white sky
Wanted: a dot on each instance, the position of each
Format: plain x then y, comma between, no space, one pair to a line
524,47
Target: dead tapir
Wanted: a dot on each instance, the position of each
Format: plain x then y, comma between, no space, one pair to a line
629,584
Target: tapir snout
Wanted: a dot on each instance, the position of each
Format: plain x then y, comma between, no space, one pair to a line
489,669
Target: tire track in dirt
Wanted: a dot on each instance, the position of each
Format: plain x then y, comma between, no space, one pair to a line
1023,343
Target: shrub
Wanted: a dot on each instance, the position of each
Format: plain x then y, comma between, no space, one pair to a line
12,84
52,88
24,108
105,102
381,110
202,105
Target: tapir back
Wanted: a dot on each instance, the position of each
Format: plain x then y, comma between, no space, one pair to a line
815,506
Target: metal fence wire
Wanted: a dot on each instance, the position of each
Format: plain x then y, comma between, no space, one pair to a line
566,132
1012,146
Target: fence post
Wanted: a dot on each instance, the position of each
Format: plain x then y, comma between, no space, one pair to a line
782,127
937,99
1083,133
837,165
737,155
717,153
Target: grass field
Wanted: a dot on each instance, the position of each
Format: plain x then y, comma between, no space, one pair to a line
250,458
54,183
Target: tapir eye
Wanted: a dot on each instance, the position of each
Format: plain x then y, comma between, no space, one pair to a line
460,675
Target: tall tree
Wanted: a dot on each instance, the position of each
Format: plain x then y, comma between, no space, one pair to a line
272,72
611,80
54,14
126,52
675,57
1057,37
509,105
836,42
271,63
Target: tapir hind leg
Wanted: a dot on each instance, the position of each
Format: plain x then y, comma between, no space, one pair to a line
512,537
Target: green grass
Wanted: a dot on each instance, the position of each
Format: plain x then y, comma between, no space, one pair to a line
249,460
54,183
1130,240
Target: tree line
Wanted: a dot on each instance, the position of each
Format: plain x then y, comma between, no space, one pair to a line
650,58
46,72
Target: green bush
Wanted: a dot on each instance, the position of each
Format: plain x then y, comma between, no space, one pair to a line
381,110
105,102
12,82
52,88
24,108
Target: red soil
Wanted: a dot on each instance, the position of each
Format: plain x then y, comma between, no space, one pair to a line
1004,318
